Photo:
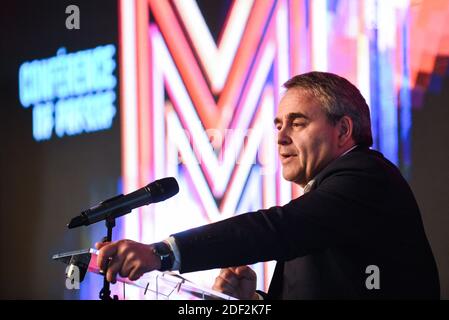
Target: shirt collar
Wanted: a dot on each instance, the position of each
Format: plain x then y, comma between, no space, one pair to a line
349,150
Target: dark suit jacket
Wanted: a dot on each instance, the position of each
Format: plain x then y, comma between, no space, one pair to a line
360,212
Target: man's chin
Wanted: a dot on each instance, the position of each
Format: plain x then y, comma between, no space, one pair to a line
295,178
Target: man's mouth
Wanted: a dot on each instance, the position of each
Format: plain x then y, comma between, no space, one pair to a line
287,156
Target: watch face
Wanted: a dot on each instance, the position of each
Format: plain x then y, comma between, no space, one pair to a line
163,251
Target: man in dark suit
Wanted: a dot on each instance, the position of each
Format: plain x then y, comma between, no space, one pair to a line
356,233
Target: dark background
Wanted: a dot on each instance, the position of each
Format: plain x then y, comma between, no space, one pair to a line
44,184
429,177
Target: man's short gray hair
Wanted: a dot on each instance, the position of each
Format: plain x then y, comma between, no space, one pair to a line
339,98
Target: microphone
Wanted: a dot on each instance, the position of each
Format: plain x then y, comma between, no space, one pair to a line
120,205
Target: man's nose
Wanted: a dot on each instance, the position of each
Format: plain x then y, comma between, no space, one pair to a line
283,137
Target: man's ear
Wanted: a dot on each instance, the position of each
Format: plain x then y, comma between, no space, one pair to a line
345,128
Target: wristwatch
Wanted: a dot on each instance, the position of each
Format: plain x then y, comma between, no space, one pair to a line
164,252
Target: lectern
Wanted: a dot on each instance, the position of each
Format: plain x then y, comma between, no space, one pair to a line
154,285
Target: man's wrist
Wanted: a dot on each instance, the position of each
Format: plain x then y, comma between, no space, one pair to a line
165,254
171,241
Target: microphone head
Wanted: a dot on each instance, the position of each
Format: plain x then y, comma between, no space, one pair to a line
77,222
163,189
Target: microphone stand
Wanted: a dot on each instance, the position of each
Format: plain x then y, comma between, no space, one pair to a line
105,292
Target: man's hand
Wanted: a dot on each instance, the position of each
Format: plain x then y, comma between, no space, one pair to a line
127,258
239,282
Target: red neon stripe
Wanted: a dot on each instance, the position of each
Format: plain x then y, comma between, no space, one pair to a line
263,47
185,61
140,98
123,106
310,37
144,92
266,277
190,71
244,56
238,110
296,13
297,24
267,91
225,25
124,148
196,149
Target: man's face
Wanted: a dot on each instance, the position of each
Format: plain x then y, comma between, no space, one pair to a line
307,141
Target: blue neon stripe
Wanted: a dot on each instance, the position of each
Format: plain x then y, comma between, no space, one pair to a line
406,104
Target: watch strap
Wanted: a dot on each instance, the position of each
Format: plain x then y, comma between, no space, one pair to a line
164,252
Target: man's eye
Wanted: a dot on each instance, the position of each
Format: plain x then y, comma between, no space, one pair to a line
297,124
